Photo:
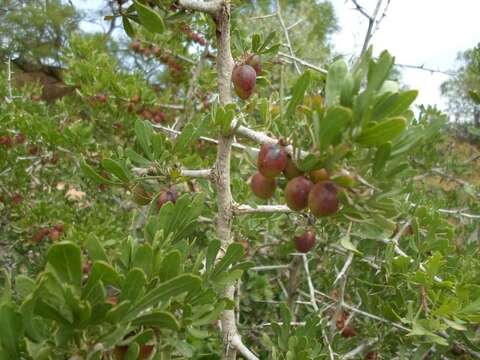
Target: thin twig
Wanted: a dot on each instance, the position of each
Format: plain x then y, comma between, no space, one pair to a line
359,349
313,300
260,209
287,36
9,97
304,63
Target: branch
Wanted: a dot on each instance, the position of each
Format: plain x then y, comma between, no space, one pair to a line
361,10
152,171
237,342
371,22
202,173
360,348
269,267
9,97
313,300
260,209
459,213
287,36
209,7
191,89
262,138
364,313
303,62
400,252
174,133
422,67
221,9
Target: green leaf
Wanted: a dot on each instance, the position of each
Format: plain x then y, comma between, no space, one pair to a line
127,26
66,260
475,96
335,82
212,251
379,70
472,308
185,138
298,92
391,105
116,169
11,330
381,157
101,272
234,253
383,132
455,325
24,285
211,316
118,312
149,18
95,250
255,42
473,130
227,278
93,175
34,328
133,352
137,158
169,289
333,124
133,285
143,258
143,131
348,245
170,265
159,319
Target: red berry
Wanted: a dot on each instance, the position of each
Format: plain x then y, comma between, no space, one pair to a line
87,267
146,351
323,200
291,171
135,99
17,199
372,355
159,117
59,227
244,80
296,193
166,196
305,242
6,141
40,235
262,186
19,138
319,175
140,196
271,160
255,62
54,234
349,331
136,45
33,150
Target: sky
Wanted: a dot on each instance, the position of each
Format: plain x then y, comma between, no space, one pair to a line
416,32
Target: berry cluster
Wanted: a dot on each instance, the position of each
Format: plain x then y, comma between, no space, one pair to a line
199,39
244,76
9,141
316,192
166,58
143,197
54,233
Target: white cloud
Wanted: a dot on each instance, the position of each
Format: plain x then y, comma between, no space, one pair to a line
417,32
